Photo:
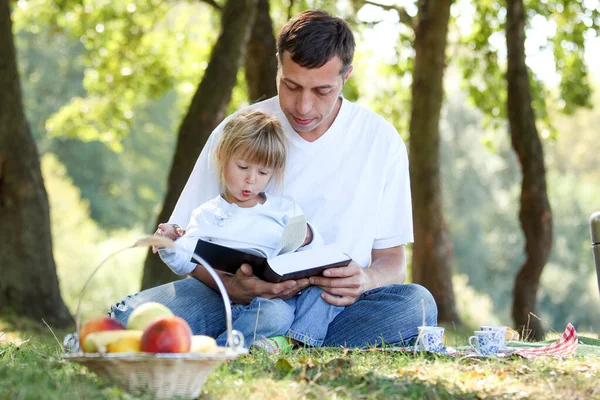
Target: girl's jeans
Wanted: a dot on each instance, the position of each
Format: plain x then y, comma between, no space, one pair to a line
388,314
304,317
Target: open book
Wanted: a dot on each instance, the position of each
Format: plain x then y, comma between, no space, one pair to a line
285,262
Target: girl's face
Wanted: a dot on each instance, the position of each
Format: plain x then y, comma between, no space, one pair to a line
244,181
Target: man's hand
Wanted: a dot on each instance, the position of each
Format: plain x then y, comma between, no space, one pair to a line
244,286
344,285
388,266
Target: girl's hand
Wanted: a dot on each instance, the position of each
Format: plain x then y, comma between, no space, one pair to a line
171,231
309,236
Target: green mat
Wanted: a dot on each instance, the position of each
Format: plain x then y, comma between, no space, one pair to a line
587,345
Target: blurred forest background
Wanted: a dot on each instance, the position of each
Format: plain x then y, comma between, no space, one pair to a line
106,85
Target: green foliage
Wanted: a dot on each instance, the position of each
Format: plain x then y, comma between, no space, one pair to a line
480,192
116,39
134,53
117,184
574,21
79,246
481,197
392,100
476,309
480,63
46,58
483,58
384,80
79,125
570,286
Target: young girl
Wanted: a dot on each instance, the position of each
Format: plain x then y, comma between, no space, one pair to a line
251,153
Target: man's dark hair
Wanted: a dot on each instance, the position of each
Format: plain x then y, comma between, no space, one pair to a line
314,37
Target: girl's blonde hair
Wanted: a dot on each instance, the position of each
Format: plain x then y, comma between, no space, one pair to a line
257,138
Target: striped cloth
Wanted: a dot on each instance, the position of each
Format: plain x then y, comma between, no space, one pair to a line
563,347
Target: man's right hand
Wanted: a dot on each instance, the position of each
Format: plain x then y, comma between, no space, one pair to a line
245,286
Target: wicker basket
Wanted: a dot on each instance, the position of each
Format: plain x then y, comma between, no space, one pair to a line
162,375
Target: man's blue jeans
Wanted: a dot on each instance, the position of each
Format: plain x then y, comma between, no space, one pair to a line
385,315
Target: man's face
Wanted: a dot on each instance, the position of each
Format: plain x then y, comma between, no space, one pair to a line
308,97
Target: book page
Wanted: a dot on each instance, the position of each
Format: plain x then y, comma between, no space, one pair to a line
304,260
293,235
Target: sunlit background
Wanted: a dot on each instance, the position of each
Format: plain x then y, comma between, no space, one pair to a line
104,104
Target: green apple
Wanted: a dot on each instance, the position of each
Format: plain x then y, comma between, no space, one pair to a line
144,315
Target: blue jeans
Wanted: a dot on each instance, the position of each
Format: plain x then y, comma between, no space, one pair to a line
312,317
304,317
388,314
261,318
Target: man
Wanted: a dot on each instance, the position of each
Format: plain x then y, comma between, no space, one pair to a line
348,170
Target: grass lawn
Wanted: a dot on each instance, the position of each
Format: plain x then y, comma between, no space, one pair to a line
31,368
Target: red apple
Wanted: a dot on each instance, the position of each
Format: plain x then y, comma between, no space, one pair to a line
98,324
167,335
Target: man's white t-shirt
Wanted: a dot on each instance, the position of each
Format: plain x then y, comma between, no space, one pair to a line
352,183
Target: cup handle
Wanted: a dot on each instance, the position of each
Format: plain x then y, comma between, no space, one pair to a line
512,336
422,340
474,346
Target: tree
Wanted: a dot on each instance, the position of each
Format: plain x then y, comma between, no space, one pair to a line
432,250
535,214
515,95
29,283
206,110
261,63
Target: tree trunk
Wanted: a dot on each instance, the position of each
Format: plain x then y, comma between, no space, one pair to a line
261,63
206,111
535,214
432,250
28,283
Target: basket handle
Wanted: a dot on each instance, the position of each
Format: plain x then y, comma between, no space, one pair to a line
235,340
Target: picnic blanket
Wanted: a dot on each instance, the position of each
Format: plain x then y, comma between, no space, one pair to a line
562,347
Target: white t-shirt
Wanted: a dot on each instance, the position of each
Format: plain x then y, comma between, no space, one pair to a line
352,183
259,227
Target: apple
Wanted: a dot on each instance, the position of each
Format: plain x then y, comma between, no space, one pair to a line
99,342
98,324
145,314
203,344
167,335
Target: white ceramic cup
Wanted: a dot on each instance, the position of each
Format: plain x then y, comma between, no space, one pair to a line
431,338
501,329
486,343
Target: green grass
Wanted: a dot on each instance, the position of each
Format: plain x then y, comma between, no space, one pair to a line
31,368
